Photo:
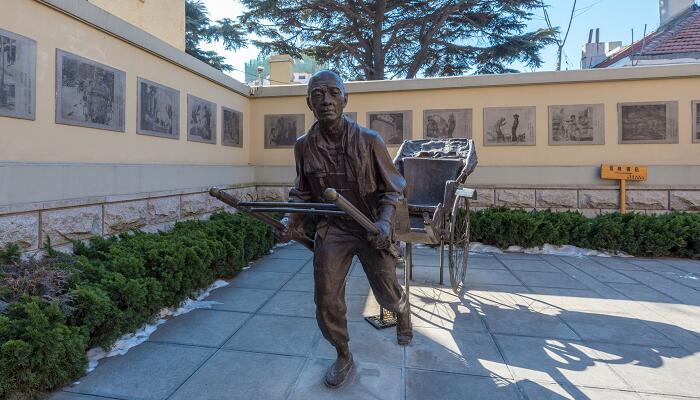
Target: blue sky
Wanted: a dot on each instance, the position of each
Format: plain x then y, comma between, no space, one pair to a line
615,18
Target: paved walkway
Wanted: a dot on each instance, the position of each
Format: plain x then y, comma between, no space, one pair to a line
529,327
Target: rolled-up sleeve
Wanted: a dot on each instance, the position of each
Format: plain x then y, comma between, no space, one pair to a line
301,190
390,183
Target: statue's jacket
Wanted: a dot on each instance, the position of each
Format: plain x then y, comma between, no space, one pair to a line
367,168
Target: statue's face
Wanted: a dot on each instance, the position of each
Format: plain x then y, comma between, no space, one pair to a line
326,98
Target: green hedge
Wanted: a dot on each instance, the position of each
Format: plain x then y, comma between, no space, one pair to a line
115,285
674,234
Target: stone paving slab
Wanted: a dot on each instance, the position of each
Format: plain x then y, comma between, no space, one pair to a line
276,334
200,328
527,327
242,376
148,371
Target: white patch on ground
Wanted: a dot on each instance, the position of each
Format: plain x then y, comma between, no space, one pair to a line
126,342
690,276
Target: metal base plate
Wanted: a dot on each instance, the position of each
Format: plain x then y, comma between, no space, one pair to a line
378,322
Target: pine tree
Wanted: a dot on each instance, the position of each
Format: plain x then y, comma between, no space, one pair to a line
200,29
376,39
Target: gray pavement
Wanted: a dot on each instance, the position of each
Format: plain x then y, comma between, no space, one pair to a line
527,327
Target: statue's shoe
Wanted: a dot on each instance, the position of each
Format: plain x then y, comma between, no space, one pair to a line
338,373
404,328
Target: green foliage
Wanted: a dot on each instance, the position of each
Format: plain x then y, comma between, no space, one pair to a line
116,285
674,234
200,29
39,351
374,40
11,254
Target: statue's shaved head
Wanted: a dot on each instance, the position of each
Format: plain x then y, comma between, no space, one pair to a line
325,78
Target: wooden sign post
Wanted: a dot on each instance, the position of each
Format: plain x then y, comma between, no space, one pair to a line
623,173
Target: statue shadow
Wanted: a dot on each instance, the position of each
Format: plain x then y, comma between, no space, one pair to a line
542,364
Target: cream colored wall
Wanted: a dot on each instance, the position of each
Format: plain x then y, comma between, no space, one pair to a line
164,19
609,93
45,141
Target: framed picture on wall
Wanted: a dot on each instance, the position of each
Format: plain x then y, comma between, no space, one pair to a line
158,110
648,122
201,120
576,124
455,123
88,93
696,121
232,127
282,130
393,126
509,126
17,76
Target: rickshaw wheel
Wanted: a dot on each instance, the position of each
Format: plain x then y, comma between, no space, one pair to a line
459,243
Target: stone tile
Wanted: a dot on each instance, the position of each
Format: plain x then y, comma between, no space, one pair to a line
366,381
296,304
291,253
365,342
613,329
234,375
490,277
638,292
548,279
428,385
239,298
617,263
300,283
286,265
518,318
668,287
670,371
308,268
472,353
488,262
276,334
260,279
554,360
200,328
685,200
497,288
427,275
515,198
692,266
561,198
485,197
163,209
360,307
596,199
21,229
529,265
120,217
194,204
147,371
72,223
647,199
358,285
517,255
76,396
553,391
433,313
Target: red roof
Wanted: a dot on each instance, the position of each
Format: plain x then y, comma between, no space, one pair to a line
681,35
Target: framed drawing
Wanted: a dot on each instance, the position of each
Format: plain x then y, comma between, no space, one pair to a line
696,121
201,120
158,110
17,76
231,127
393,126
282,130
455,123
648,122
88,93
509,126
576,124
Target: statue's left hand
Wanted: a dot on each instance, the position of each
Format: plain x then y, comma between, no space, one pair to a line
383,239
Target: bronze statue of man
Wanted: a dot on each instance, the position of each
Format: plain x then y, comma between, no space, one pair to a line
338,153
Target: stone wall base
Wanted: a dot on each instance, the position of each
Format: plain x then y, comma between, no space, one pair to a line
62,222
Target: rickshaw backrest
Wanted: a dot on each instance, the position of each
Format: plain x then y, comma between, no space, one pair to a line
427,164
426,178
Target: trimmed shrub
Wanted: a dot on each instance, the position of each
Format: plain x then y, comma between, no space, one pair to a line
673,234
113,286
39,351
